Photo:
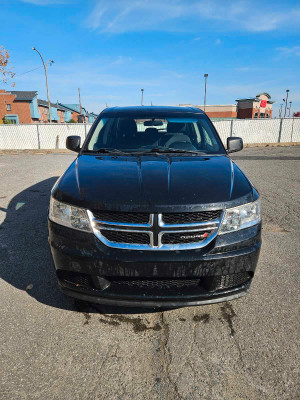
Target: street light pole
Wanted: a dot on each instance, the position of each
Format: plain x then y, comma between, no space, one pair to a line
142,98
280,110
287,96
205,76
45,68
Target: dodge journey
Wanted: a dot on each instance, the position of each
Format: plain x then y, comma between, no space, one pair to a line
153,212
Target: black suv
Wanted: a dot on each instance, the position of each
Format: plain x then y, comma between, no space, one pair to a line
154,213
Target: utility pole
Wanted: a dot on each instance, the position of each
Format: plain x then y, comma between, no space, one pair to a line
287,96
290,107
280,110
142,98
82,116
79,100
45,68
205,76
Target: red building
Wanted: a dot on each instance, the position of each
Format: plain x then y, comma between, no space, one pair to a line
255,107
19,107
217,111
23,107
58,113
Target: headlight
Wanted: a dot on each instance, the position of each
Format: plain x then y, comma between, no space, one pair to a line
241,217
70,216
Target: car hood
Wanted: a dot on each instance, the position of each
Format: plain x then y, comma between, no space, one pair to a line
153,183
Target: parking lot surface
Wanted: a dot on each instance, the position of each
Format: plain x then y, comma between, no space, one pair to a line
52,348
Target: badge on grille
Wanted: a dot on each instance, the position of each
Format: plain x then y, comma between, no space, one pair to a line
197,236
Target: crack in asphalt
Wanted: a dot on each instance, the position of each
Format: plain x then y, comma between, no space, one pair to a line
167,359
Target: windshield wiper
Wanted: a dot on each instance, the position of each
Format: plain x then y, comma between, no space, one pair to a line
159,150
166,150
107,151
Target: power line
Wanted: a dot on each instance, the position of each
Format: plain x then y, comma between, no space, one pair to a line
28,71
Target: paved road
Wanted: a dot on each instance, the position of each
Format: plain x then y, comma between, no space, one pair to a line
246,349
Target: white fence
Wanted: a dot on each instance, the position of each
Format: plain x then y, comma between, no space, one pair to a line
51,136
260,130
39,136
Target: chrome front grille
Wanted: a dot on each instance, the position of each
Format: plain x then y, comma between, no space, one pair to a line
123,217
190,217
126,236
142,231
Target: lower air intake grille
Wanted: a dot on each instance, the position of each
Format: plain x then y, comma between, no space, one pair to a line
156,283
228,281
126,237
75,278
122,217
191,217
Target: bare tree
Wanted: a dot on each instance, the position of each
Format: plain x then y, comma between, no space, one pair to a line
6,74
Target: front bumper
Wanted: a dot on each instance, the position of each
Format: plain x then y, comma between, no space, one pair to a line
149,279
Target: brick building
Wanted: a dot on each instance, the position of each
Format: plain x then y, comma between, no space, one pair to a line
23,107
250,107
19,107
59,114
255,107
43,108
218,111
79,116
72,111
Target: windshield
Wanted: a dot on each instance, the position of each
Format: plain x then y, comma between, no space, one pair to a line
154,134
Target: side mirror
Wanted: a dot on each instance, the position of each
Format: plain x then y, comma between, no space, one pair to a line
73,143
234,144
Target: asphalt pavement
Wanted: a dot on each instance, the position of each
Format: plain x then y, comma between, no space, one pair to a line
53,348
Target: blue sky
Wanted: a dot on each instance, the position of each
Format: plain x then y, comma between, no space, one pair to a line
113,48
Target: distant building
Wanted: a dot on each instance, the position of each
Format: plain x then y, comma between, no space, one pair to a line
72,111
218,111
75,114
255,107
92,117
250,107
19,107
23,107
58,113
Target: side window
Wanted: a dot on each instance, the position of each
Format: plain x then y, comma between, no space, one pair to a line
209,141
95,138
207,138
197,132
